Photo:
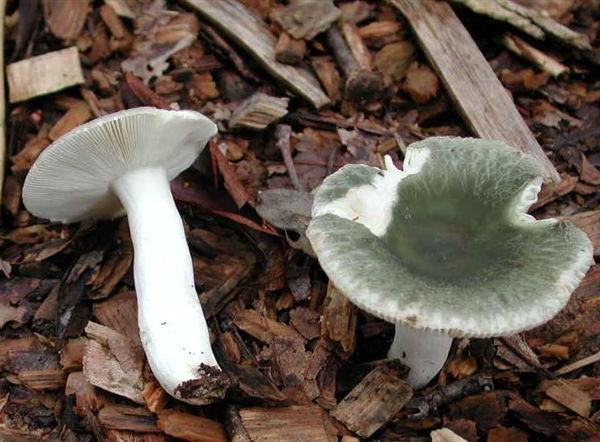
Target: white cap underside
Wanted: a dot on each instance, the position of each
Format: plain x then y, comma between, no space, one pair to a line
70,181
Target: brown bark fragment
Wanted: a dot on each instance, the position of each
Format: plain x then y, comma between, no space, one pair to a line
339,320
113,362
357,46
75,116
48,379
258,111
119,312
292,424
394,59
66,18
190,428
124,417
571,398
71,355
263,328
374,401
288,50
328,76
380,33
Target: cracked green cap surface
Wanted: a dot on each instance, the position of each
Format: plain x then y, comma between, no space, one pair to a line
446,243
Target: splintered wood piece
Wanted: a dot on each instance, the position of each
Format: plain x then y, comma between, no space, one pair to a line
527,20
251,33
329,76
154,395
7,346
570,397
592,359
124,417
71,355
445,435
48,379
258,111
288,50
482,100
119,312
113,362
339,320
306,18
61,69
540,59
381,33
74,117
263,328
191,428
374,401
292,424
65,18
589,222
87,397
357,46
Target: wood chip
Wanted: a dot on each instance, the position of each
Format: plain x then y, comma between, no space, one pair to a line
119,312
48,379
589,222
124,417
263,328
570,397
540,59
394,59
61,69
288,50
592,359
484,103
374,401
421,83
113,362
233,19
380,33
74,117
530,21
290,424
71,355
329,76
258,111
191,428
445,435
339,320
65,18
357,46
306,18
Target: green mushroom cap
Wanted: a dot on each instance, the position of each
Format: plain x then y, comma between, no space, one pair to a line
446,244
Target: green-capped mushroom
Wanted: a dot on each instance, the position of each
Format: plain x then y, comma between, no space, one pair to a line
445,248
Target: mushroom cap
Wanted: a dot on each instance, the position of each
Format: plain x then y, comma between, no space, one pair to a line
446,244
71,179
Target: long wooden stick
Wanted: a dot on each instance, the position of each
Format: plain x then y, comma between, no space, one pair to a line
483,102
238,23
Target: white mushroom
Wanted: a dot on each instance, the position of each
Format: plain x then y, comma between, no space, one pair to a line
445,248
120,163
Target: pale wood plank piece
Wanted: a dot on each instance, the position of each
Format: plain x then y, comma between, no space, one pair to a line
251,33
44,74
485,105
291,424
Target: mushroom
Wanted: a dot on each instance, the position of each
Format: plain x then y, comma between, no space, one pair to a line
445,247
123,162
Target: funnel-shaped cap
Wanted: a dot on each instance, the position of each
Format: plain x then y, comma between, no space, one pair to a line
71,179
446,244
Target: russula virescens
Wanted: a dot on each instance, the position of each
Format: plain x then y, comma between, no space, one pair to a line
123,162
445,247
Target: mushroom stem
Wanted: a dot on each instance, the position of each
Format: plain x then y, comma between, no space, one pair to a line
424,352
173,330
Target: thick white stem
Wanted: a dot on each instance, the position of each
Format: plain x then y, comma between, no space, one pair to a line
173,330
422,351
